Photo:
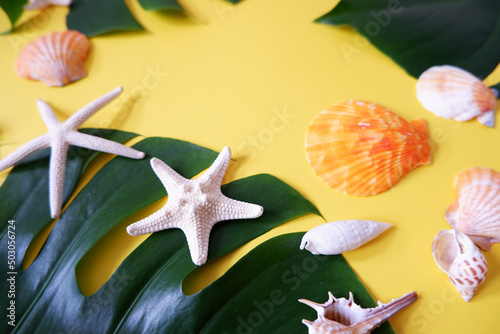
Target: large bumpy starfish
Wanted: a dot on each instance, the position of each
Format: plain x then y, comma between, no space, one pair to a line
59,137
194,206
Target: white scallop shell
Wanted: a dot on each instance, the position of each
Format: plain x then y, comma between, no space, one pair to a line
341,236
457,255
451,92
37,4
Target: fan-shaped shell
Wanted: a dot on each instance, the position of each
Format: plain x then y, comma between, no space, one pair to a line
341,236
476,211
451,92
456,255
361,148
56,59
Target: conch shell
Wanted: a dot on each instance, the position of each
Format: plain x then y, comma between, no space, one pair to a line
456,255
341,236
56,59
476,212
361,148
340,315
451,92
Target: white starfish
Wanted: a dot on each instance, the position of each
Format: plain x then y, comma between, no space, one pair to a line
194,206
59,137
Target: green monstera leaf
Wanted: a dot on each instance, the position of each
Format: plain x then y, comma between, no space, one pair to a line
421,34
259,294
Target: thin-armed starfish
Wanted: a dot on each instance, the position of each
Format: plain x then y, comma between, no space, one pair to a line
59,137
194,206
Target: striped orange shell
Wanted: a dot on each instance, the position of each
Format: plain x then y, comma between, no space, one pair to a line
56,59
361,148
476,212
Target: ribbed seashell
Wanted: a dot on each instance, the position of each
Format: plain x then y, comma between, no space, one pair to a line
37,4
341,236
457,255
340,315
476,211
56,59
361,148
451,92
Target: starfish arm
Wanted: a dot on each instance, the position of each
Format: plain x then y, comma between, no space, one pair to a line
48,115
215,173
198,238
227,208
102,145
22,152
162,219
170,179
74,121
57,172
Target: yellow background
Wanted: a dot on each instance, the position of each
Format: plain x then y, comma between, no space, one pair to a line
252,77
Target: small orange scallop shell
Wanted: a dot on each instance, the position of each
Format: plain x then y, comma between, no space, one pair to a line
56,59
476,212
361,148
451,92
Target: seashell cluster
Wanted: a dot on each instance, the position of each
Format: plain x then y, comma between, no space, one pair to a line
476,211
361,148
341,236
56,59
453,93
457,255
340,315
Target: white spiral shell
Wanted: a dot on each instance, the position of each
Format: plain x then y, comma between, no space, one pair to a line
457,255
341,236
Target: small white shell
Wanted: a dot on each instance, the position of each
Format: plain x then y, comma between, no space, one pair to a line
451,92
341,236
456,255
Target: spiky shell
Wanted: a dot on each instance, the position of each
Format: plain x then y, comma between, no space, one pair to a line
340,315
341,236
476,211
451,92
361,148
56,59
457,255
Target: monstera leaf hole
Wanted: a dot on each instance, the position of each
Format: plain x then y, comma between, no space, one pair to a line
205,275
100,262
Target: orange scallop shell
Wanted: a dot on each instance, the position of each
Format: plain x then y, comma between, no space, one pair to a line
56,59
361,148
476,212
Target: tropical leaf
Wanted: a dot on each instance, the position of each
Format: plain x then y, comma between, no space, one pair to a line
155,5
149,280
421,34
24,194
13,9
97,17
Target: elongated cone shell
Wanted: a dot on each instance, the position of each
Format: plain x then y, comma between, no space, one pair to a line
476,211
456,255
451,92
341,236
361,148
56,59
340,315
